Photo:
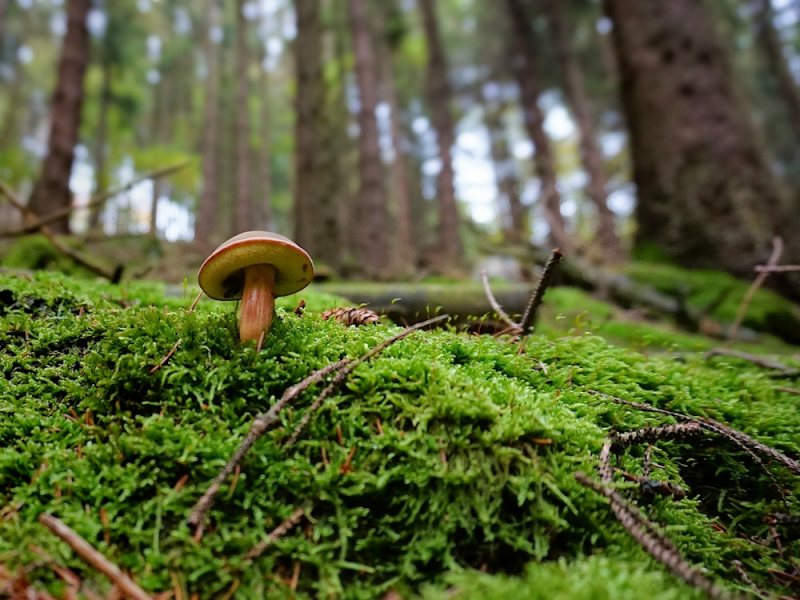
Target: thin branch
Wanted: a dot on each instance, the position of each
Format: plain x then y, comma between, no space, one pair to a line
264,421
652,540
777,268
276,534
760,361
63,248
529,316
167,356
503,315
777,250
342,375
37,223
259,426
94,558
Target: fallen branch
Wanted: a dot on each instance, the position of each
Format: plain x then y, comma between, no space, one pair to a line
652,540
760,361
36,223
94,558
345,371
276,534
777,250
265,421
112,275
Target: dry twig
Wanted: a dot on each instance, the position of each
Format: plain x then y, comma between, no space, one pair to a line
777,268
760,361
276,534
777,250
529,317
503,315
167,356
94,558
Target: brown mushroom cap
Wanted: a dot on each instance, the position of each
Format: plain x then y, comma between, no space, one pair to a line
221,276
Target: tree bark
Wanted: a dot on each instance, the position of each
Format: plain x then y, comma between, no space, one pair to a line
591,157
208,206
51,191
371,232
101,143
403,248
263,206
706,196
439,98
524,51
243,199
309,109
513,214
773,48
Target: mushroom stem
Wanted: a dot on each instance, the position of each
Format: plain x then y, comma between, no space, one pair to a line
258,302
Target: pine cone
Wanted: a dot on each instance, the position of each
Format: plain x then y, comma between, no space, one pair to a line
352,316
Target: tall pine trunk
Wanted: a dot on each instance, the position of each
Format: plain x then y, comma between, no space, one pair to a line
101,143
591,157
706,196
522,63
448,251
371,233
263,208
208,206
243,199
51,191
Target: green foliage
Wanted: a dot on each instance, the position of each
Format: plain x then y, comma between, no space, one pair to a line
462,454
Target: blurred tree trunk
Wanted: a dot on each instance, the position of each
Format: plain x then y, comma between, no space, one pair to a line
773,48
208,206
51,191
101,143
706,196
591,157
403,249
309,109
243,199
263,208
154,198
514,216
371,233
522,63
448,251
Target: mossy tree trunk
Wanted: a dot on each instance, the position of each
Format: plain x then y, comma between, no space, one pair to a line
706,196
51,191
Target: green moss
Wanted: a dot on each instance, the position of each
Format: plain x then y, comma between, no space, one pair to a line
463,453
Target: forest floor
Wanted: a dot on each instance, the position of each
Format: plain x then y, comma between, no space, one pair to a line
450,465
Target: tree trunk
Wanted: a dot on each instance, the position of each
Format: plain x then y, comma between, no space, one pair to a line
371,233
591,157
156,195
439,97
513,214
706,196
243,199
263,206
208,207
403,249
524,51
309,109
100,143
51,191
773,48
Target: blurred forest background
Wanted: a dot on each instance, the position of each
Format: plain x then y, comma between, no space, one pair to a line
395,139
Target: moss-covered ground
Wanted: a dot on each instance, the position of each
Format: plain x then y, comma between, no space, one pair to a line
443,468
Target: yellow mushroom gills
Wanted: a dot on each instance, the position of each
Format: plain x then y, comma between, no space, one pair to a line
255,267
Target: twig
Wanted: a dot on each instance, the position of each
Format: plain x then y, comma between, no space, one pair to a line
37,223
654,486
167,356
652,540
63,248
789,390
94,558
777,268
260,424
529,316
264,421
761,361
342,375
196,302
503,315
777,250
276,534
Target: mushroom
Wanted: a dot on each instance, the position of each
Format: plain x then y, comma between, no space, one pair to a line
255,267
